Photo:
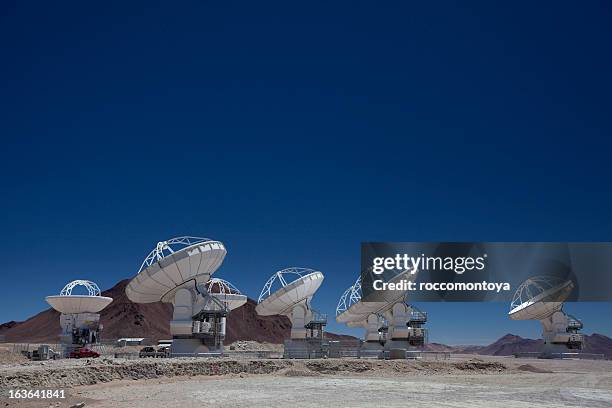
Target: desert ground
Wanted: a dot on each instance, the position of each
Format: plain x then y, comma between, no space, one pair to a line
461,381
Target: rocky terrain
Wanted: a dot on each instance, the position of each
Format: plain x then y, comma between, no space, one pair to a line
70,373
462,381
490,382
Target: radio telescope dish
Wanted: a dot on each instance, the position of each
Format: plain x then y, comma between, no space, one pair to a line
405,328
389,297
226,293
173,264
539,297
351,311
79,318
350,297
356,309
297,285
67,303
176,271
288,292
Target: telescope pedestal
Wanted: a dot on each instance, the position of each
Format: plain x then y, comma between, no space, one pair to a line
560,334
374,339
398,317
79,330
198,323
300,315
306,333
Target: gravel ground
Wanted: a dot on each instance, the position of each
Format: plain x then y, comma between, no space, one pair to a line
464,381
248,345
528,390
71,372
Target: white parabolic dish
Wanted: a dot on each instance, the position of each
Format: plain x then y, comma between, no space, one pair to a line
232,300
282,301
345,311
67,303
78,303
178,262
226,293
536,298
359,311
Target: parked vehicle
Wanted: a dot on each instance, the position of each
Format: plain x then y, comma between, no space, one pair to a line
147,352
83,353
44,352
163,351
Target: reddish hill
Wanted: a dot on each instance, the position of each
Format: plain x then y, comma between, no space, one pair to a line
43,327
598,343
438,347
122,318
510,344
8,325
245,324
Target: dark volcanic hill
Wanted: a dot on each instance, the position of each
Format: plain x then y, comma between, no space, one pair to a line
439,347
123,318
8,325
598,343
509,344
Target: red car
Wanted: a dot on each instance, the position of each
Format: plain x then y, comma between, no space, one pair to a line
83,353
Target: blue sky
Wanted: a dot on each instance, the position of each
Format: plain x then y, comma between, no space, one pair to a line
294,132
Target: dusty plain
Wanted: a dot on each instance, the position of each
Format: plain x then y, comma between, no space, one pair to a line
244,381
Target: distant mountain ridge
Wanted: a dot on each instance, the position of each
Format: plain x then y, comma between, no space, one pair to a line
8,325
510,344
